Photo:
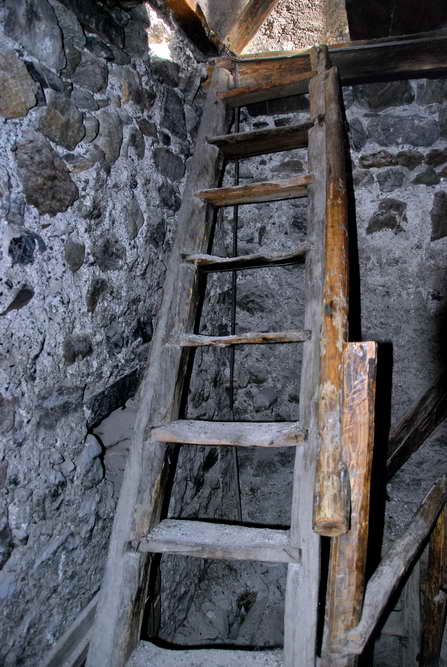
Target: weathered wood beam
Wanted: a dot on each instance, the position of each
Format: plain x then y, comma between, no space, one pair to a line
303,580
289,84
395,565
247,23
417,425
331,497
434,595
202,539
123,595
408,56
254,193
154,656
210,263
261,142
237,434
346,582
249,338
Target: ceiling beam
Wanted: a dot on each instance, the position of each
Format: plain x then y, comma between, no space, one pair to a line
247,23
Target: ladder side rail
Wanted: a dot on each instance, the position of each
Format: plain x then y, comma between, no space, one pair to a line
331,495
124,589
346,580
303,580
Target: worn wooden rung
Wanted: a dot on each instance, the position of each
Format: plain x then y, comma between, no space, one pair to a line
260,142
219,541
239,434
291,84
250,338
254,193
210,263
149,654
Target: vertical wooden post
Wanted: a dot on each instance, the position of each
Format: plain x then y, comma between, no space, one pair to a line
434,594
348,552
303,579
331,500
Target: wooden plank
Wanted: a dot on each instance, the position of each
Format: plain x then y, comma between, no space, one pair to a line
237,434
124,589
405,56
303,581
254,193
395,565
417,425
148,654
346,579
290,84
201,539
434,595
71,648
247,23
209,263
250,338
261,142
331,495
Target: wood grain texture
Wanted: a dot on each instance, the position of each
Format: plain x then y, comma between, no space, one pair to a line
247,23
395,564
210,263
331,497
289,188
414,429
238,434
289,84
124,588
262,142
303,581
346,579
434,595
406,56
201,539
249,338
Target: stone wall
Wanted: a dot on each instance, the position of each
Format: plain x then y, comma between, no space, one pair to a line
95,133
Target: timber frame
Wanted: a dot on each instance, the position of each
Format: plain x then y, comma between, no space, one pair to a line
353,606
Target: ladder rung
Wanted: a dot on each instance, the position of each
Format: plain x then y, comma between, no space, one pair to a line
261,142
148,654
238,434
253,193
213,263
250,338
292,84
219,541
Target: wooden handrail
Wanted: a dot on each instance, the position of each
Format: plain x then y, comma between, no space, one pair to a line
395,565
331,498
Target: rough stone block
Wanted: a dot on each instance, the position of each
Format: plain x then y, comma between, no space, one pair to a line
391,215
45,178
62,122
397,130
378,96
17,87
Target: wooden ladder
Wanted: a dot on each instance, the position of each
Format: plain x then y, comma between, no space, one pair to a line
139,530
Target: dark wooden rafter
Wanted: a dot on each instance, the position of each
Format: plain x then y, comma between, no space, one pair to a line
192,20
417,425
247,23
